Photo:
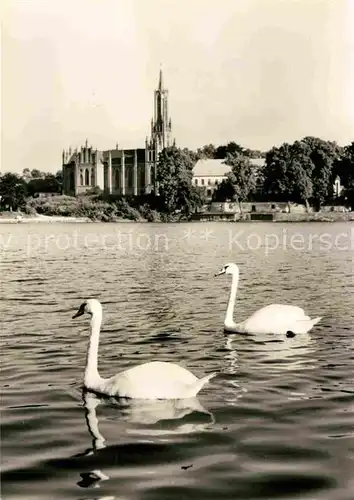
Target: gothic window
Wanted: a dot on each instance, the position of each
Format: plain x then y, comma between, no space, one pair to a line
92,177
196,182
202,181
87,177
209,182
81,179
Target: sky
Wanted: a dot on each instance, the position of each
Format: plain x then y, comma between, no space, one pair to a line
257,72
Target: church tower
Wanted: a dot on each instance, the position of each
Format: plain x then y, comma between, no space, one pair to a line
161,129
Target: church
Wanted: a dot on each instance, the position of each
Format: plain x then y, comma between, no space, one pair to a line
121,171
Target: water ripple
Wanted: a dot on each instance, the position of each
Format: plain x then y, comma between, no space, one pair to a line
277,420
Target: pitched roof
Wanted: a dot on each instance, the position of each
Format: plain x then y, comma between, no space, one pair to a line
210,167
215,168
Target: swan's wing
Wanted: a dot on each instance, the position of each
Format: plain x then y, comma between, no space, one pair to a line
156,370
151,381
275,318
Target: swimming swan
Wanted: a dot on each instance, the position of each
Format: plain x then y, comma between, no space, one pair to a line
155,380
275,318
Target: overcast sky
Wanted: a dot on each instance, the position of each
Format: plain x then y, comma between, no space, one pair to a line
258,72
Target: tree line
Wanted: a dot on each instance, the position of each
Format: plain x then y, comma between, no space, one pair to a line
15,188
301,172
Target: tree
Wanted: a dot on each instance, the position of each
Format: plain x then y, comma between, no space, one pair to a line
276,183
37,174
26,174
193,156
253,153
323,155
174,177
301,171
59,178
224,191
207,151
300,178
240,182
48,184
220,152
12,191
231,148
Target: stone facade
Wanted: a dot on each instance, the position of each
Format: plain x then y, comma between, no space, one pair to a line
121,171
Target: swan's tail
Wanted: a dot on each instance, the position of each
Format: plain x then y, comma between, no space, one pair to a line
305,325
200,383
316,320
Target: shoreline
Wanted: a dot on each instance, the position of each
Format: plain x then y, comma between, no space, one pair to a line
38,218
283,217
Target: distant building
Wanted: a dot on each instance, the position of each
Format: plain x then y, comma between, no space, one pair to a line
209,173
121,171
337,187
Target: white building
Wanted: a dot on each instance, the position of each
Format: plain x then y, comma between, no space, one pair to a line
337,187
209,173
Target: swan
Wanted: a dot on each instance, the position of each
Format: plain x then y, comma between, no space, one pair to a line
275,318
154,380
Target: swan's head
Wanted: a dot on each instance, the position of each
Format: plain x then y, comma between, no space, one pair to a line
229,269
90,306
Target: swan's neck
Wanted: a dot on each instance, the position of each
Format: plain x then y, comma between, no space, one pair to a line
92,377
231,305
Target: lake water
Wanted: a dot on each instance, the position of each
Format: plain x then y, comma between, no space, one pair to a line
276,422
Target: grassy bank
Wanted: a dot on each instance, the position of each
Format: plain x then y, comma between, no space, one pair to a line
95,208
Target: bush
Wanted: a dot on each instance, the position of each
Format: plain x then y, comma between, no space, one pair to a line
83,206
149,214
100,208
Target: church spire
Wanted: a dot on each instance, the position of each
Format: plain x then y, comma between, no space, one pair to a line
161,126
161,79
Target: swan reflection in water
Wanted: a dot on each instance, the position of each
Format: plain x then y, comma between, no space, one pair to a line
233,390
288,353
145,413
263,354
273,354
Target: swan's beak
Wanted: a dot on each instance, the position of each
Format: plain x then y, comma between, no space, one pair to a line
80,312
220,272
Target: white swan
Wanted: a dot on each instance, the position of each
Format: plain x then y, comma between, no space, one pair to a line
275,318
155,380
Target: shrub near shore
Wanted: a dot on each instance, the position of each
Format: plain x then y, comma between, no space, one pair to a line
94,208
